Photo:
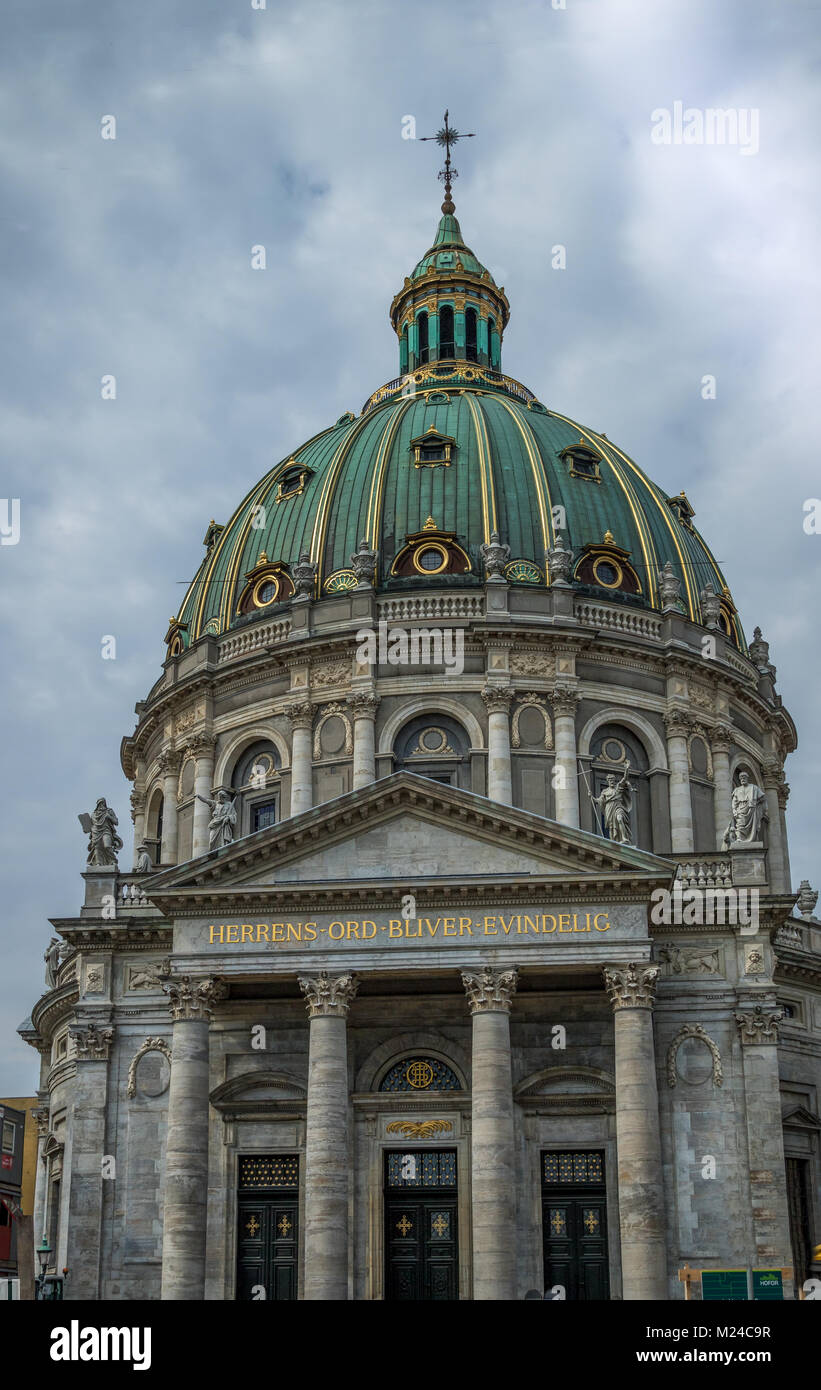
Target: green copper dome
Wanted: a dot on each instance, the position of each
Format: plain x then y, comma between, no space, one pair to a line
450,457
508,470
447,248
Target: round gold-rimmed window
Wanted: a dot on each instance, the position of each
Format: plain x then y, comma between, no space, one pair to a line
175,648
608,573
726,623
430,559
265,590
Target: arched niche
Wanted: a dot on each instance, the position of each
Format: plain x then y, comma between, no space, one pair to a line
434,746
702,799
255,782
610,746
426,704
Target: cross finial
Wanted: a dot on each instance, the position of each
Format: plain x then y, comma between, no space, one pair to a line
446,137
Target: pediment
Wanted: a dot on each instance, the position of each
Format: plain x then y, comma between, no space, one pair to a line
407,829
255,1090
568,1088
801,1118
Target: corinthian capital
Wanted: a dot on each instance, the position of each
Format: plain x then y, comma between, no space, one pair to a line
633,987
757,1026
169,760
564,699
200,745
41,1119
677,724
301,714
328,996
721,738
497,698
363,704
193,999
490,991
93,1044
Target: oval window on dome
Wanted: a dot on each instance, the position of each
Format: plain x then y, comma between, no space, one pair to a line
607,573
266,591
431,558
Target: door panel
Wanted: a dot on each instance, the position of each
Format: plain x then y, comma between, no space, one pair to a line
421,1233
267,1247
574,1224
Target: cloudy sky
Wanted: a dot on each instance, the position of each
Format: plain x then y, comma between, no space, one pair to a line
282,127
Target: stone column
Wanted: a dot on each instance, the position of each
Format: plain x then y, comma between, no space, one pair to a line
566,777
138,819
493,1170
721,741
773,785
783,796
678,757
41,1118
499,783
202,748
641,1188
85,1198
758,1032
170,768
301,716
186,1150
328,999
363,705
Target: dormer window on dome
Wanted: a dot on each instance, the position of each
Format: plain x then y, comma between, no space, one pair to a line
682,508
582,461
291,480
432,449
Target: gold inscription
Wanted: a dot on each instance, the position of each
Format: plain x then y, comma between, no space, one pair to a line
412,929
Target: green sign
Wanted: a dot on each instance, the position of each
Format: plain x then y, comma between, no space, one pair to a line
767,1284
723,1284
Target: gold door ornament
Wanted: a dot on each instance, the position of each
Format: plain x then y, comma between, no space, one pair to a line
404,1225
424,1129
252,1226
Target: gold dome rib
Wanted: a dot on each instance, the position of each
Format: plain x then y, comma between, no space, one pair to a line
378,476
644,533
539,473
485,470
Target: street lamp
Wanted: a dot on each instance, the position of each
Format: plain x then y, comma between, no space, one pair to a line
44,1250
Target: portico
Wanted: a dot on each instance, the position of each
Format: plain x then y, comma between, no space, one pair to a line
387,1047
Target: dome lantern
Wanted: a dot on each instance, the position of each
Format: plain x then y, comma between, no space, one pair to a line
449,310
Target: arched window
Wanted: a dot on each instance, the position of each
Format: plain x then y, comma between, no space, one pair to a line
447,342
423,353
434,746
420,1074
153,826
609,747
403,351
256,779
470,335
491,329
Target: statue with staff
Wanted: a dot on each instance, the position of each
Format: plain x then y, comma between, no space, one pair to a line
614,805
223,818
